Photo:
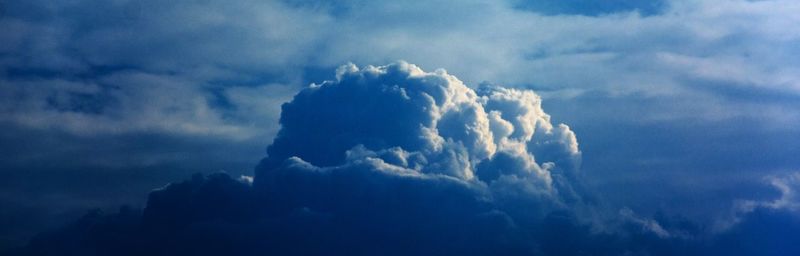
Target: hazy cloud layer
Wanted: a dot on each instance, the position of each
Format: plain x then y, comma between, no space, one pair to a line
694,52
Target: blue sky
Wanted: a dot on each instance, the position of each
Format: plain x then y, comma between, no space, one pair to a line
682,108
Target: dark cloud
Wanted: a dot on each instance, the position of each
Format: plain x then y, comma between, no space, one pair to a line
219,215
50,178
371,213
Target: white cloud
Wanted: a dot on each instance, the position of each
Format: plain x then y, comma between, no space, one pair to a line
424,122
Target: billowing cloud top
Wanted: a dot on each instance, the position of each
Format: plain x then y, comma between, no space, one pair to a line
404,120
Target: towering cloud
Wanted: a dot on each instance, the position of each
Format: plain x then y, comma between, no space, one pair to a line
382,160
417,161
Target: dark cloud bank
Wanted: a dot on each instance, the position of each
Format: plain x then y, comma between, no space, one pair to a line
392,160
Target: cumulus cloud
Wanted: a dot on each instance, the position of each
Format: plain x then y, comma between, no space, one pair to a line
424,123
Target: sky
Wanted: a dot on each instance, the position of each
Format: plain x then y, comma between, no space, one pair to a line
400,127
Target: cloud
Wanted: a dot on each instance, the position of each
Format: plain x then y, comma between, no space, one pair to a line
646,224
427,123
787,201
762,227
136,102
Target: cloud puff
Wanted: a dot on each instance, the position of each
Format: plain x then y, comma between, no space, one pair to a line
423,123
